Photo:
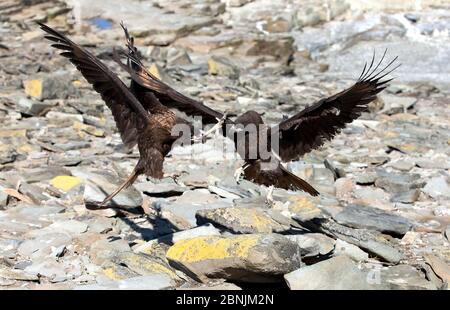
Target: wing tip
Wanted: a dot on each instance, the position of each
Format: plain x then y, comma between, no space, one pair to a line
373,77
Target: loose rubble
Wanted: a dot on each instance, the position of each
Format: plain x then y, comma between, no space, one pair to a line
383,217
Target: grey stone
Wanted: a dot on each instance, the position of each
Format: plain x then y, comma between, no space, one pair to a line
437,186
102,225
371,193
49,268
43,245
103,250
223,67
336,273
155,281
3,198
371,241
32,107
56,85
143,264
359,216
34,175
403,165
350,250
100,184
178,58
70,226
313,244
404,277
17,274
410,196
242,220
189,203
396,104
35,192
163,189
366,178
395,183
237,3
204,230
222,192
435,162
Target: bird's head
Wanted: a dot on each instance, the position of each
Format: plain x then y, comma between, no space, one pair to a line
250,117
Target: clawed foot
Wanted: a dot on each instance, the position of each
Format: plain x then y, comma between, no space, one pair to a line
215,128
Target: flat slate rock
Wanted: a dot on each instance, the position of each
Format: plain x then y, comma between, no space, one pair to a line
359,216
157,281
374,242
242,220
313,244
402,277
337,273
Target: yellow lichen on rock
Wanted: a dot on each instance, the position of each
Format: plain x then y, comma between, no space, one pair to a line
301,204
149,265
33,88
65,182
212,247
260,221
112,273
408,147
221,66
27,148
92,130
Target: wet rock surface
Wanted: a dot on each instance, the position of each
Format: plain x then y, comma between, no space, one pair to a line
381,221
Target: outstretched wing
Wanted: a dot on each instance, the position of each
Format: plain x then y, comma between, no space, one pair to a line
166,94
320,122
126,109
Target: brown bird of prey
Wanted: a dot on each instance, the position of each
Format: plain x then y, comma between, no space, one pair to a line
139,115
142,115
297,135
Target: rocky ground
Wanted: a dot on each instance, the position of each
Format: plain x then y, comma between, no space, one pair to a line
381,221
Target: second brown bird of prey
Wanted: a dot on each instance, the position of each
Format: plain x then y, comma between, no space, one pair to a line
143,116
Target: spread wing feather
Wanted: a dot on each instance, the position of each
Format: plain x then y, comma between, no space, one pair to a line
128,113
166,94
310,128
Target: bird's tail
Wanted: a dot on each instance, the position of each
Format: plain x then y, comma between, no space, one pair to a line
297,183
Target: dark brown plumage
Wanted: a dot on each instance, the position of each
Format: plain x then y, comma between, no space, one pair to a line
298,135
139,116
143,117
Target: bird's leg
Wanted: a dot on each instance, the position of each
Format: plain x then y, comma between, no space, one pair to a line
130,180
239,171
215,128
269,196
